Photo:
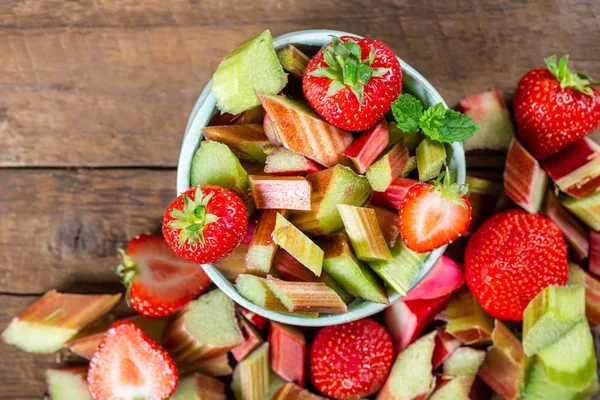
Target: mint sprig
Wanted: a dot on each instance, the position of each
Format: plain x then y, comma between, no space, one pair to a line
437,123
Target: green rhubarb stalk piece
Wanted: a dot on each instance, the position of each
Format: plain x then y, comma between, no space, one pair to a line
68,383
330,282
571,361
247,142
54,319
539,387
365,234
275,383
307,296
587,209
411,140
252,66
550,315
293,60
330,187
465,363
262,248
410,166
431,157
398,271
467,321
199,387
388,167
251,376
234,264
453,390
292,240
352,274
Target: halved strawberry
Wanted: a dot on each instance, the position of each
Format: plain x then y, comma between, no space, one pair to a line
129,365
432,215
158,281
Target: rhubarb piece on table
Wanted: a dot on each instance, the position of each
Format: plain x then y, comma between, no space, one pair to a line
258,321
353,275
410,166
307,296
399,270
431,157
68,383
333,186
288,352
291,391
411,140
525,181
365,234
453,389
388,167
261,252
538,386
292,240
465,363
199,387
484,196
252,339
445,346
411,375
205,328
550,315
293,60
594,241
467,320
574,231
588,209
286,162
234,264
252,66
56,318
368,146
505,365
251,376
280,192
389,223
299,129
215,164
578,276
393,195
247,142
576,169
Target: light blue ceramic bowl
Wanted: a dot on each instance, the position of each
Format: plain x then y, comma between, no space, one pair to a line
206,107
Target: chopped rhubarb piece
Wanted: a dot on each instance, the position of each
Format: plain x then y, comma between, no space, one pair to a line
578,276
262,249
234,264
300,130
280,192
251,376
333,186
410,166
288,352
252,223
364,232
464,362
68,383
594,265
215,366
484,196
307,296
450,389
251,116
393,195
445,345
574,231
505,365
291,391
292,240
246,141
258,321
466,319
398,271
442,279
411,141
389,223
286,162
252,339
199,387
271,131
275,383
431,157
539,386
293,60
576,169
388,167
215,164
368,146
588,209
525,181
54,319
205,328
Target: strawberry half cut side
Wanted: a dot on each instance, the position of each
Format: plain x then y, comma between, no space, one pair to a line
158,281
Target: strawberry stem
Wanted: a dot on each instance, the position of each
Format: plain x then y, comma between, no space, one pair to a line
575,80
449,189
193,219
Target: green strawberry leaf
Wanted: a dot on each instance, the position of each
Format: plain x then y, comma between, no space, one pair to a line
407,111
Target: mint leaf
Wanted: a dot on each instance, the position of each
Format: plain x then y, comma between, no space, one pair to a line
431,121
446,126
407,110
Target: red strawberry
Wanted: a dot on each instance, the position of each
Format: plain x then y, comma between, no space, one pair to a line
159,282
205,223
554,107
129,365
351,360
511,258
352,82
432,215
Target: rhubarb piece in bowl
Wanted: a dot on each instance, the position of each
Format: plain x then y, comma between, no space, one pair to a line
320,147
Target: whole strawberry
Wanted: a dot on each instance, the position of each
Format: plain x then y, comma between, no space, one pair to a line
205,223
554,107
511,258
350,360
352,82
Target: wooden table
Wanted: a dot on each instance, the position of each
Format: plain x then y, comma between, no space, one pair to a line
95,95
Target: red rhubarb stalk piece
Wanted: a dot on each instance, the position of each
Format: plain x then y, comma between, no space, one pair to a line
388,223
247,142
594,265
280,192
284,162
445,345
252,223
288,352
289,268
262,248
393,195
443,278
368,146
258,321
252,340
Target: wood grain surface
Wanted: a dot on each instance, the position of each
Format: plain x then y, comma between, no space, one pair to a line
95,96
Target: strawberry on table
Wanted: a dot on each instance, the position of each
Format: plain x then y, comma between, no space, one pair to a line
129,365
554,107
511,258
352,82
434,214
350,360
205,223
158,281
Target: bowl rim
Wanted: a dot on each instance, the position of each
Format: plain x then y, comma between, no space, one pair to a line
200,116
